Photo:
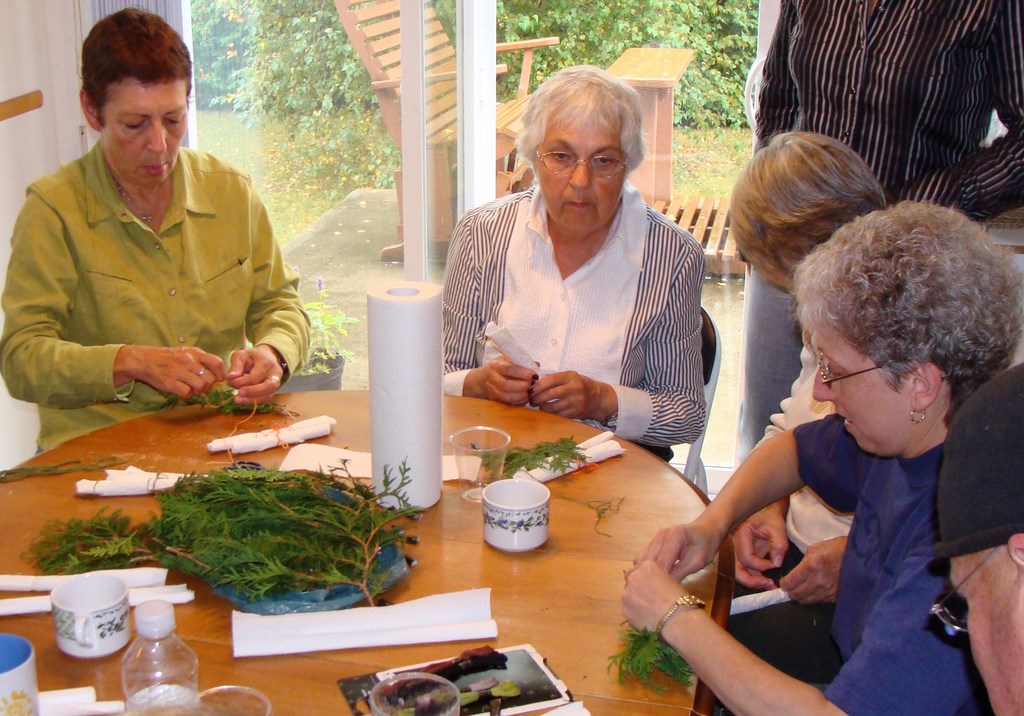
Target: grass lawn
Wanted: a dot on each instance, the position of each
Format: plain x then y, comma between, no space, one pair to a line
707,162
292,206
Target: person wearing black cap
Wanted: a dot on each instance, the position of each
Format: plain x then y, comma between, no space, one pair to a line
981,529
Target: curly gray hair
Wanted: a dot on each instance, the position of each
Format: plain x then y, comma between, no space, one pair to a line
584,96
916,283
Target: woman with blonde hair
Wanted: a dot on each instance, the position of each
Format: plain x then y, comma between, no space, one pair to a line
790,198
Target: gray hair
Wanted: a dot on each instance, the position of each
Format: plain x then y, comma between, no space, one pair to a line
916,283
584,96
792,195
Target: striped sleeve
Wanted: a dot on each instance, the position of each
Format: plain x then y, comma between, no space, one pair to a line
475,279
663,342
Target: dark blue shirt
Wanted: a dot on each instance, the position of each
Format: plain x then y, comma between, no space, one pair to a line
896,659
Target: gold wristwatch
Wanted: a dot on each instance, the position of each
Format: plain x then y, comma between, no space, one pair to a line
686,600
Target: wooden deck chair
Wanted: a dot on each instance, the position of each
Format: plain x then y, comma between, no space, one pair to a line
372,27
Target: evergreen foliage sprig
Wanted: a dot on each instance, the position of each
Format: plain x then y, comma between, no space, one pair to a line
558,456
60,468
107,541
258,533
643,654
223,399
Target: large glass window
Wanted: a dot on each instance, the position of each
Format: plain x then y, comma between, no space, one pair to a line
304,95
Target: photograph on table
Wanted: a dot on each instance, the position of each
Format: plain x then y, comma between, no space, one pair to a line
518,675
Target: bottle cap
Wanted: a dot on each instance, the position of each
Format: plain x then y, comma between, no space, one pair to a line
154,619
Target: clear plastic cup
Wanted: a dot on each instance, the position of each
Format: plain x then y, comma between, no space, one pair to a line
427,694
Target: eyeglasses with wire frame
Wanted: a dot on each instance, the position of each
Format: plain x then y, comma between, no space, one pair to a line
601,166
828,377
951,608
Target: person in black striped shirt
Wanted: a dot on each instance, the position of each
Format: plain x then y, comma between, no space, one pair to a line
911,87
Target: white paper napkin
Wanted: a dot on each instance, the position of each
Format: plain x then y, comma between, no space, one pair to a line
324,458
574,709
175,594
76,702
134,577
508,347
266,439
437,618
757,600
130,481
598,448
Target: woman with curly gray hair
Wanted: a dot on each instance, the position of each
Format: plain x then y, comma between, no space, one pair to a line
909,310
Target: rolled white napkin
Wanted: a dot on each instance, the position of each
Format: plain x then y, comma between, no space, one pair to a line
757,600
76,702
598,448
25,605
507,345
175,594
96,708
130,481
266,439
437,618
134,577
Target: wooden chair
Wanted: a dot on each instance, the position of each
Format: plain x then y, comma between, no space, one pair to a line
372,27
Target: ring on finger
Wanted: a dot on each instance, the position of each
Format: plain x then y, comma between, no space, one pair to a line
202,372
275,378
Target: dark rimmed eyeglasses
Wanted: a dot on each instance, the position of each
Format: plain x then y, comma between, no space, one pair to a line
951,608
601,166
828,376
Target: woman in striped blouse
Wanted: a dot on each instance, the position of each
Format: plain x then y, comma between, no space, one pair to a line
599,292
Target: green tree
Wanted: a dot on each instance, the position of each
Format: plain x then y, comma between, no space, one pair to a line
722,33
289,62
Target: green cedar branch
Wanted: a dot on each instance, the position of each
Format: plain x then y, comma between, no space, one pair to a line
261,533
223,399
643,654
61,468
558,456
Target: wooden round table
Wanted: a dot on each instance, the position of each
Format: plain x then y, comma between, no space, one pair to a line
562,598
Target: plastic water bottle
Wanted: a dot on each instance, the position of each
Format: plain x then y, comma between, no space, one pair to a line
159,668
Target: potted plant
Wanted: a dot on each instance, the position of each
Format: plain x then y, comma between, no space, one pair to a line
325,361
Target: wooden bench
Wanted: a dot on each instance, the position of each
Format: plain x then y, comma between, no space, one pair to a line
654,73
707,218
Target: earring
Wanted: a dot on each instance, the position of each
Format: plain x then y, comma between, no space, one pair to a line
916,416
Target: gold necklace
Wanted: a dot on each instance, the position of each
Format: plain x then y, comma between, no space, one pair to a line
146,218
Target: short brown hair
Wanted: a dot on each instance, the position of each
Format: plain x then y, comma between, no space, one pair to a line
132,44
793,195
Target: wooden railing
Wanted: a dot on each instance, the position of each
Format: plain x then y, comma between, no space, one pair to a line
20,104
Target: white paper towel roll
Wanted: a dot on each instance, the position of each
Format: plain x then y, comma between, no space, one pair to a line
404,326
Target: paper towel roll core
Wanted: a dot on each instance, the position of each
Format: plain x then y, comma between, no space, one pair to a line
406,370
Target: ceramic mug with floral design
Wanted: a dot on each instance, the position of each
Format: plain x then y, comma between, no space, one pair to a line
516,514
19,694
90,614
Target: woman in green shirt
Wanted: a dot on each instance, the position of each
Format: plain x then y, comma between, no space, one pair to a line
143,268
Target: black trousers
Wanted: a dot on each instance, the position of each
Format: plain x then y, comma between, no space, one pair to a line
794,638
